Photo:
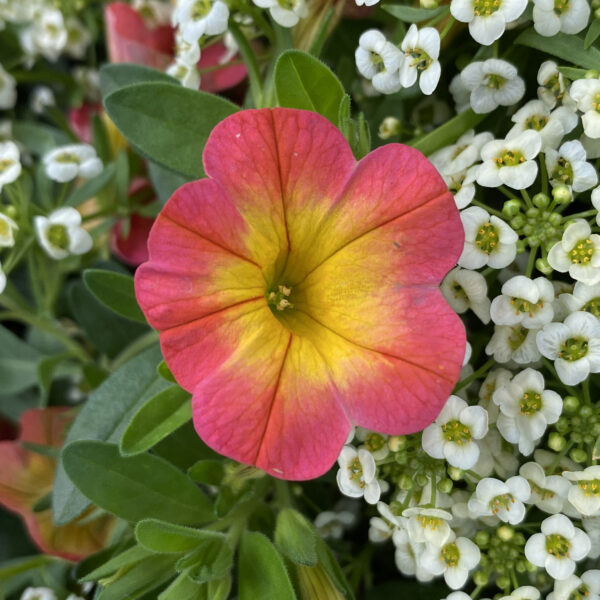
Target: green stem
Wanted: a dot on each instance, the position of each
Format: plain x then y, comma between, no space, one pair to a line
544,173
583,215
474,475
283,493
506,192
492,211
475,593
251,64
586,391
531,262
475,375
527,199
447,28
319,41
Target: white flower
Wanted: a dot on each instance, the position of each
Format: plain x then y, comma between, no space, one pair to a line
460,156
525,592
454,560
428,525
494,380
49,34
524,302
587,586
510,162
578,252
462,186
452,435
331,524
568,166
494,457
586,92
196,18
10,163
409,556
592,528
379,60
492,82
527,409
8,89
421,49
41,593
513,342
464,289
548,493
592,146
457,596
552,126
574,346
78,38
74,597
155,12
375,443
61,234
558,547
288,13
41,97
366,2
386,526
552,16
504,500
356,475
551,83
65,163
2,279
460,94
585,494
584,297
7,231
186,73
488,240
487,19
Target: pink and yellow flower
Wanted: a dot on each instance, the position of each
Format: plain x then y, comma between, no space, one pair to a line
26,477
296,291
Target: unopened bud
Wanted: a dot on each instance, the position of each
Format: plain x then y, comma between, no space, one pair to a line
562,194
556,442
389,127
511,208
541,200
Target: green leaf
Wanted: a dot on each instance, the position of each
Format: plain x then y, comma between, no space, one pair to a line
125,559
211,560
447,133
39,138
160,536
296,538
332,568
302,81
165,372
210,471
159,417
108,331
116,291
573,73
117,75
183,588
134,488
592,33
567,47
18,363
262,573
105,416
165,181
410,14
92,187
596,450
168,124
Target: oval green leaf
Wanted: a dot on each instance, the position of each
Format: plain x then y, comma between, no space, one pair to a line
160,536
168,124
410,14
296,538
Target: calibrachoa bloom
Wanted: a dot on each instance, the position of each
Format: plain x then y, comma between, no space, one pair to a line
291,295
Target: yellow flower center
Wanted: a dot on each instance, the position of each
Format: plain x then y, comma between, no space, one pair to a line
582,252
355,472
517,337
563,171
421,60
67,157
590,487
509,158
487,238
494,81
200,9
4,229
536,122
5,164
521,305
530,403
573,348
484,8
543,493
429,522
502,502
57,236
561,6
374,442
596,102
557,545
457,432
451,554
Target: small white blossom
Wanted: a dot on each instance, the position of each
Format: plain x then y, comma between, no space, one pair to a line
504,500
65,163
464,290
428,525
527,409
196,18
331,524
421,49
487,19
386,526
488,240
41,97
492,82
8,89
592,528
495,458
186,73
584,297
356,475
578,252
288,13
575,588
548,492
568,166
557,547
49,34
513,342
78,38
551,125
586,93
524,302
61,234
462,186
457,596
7,231
454,433
525,592
379,61
375,443
552,16
40,593
510,162
10,163
584,495
409,555
454,560
574,346
493,381
461,155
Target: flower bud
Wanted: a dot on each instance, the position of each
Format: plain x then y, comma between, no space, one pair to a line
389,127
406,482
455,473
578,455
543,266
505,533
562,194
445,485
480,578
541,200
591,74
511,208
555,218
556,442
397,443
517,222
482,538
570,404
